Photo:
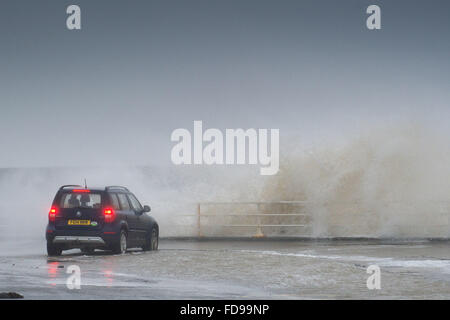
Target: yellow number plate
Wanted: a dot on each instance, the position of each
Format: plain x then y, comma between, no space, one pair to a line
79,222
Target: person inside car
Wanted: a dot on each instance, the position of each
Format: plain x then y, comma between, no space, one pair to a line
85,199
73,201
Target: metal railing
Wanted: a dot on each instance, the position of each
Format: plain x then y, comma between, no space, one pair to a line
260,216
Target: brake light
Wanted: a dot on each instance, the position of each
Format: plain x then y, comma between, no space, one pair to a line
81,190
109,215
52,214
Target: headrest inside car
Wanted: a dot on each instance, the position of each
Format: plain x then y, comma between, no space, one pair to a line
85,198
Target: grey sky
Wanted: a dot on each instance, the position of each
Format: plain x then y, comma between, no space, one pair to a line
114,91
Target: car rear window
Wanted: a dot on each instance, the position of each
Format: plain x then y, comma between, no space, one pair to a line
81,200
123,201
114,201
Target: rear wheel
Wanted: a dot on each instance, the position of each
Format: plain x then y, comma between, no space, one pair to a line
121,246
53,250
152,241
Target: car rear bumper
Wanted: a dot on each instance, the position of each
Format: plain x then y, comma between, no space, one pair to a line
78,240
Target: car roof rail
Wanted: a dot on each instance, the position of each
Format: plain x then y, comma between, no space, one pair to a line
69,185
116,187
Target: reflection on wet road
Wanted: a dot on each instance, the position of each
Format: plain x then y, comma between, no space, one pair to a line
235,270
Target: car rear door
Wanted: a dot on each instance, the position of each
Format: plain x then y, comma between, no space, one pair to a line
80,210
129,216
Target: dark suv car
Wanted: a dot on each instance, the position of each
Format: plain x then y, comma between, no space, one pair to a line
109,218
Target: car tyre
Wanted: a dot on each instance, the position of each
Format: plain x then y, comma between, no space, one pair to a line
152,241
53,250
120,246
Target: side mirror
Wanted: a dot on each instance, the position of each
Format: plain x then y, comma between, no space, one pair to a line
147,209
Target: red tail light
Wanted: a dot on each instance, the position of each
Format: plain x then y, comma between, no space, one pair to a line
81,190
52,214
109,215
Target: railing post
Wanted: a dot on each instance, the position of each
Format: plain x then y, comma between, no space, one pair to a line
259,233
199,226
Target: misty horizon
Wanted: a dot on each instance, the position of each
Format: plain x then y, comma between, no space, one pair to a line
136,72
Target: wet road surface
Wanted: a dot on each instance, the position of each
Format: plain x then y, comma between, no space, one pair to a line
184,269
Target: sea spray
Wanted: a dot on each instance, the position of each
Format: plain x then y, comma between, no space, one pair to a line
389,182
386,182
